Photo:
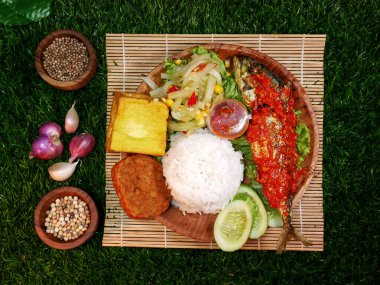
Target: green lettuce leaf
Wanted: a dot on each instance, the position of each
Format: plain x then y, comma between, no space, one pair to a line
241,144
21,12
169,66
223,71
303,142
298,114
231,90
199,50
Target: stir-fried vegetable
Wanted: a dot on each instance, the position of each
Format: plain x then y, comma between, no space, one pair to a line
191,87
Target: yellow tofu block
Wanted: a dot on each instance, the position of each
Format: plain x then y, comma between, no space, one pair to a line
137,125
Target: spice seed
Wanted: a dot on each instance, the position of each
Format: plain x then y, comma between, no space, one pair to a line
65,59
63,222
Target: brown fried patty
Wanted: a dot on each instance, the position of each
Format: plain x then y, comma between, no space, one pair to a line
140,186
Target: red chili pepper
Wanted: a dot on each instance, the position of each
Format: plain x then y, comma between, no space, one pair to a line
199,67
173,89
193,100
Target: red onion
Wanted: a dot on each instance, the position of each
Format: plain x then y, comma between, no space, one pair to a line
81,145
50,129
46,148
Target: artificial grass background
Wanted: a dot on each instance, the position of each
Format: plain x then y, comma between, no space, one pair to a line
351,145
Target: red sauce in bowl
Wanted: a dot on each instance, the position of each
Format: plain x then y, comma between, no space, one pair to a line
228,119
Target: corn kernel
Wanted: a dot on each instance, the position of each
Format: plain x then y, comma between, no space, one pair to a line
169,102
227,63
228,73
200,122
218,89
177,61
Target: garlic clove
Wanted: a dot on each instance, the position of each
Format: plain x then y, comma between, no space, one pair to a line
62,171
71,120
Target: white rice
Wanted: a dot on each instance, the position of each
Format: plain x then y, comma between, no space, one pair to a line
203,172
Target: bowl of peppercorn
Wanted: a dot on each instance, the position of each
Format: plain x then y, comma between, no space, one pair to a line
66,218
66,60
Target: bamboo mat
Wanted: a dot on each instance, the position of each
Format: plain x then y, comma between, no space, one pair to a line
131,55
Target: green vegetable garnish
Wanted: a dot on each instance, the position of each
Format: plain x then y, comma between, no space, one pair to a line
169,66
298,115
223,71
274,218
244,147
231,90
199,50
303,143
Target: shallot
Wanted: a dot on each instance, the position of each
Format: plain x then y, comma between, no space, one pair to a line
50,129
46,148
71,120
81,145
62,171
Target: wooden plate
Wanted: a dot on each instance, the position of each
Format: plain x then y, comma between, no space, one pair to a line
201,226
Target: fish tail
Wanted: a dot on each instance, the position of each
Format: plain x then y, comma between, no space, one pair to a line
288,233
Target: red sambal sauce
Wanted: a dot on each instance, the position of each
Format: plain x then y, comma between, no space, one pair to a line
273,139
228,119
280,100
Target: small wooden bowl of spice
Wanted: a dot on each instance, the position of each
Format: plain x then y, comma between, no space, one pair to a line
66,218
66,60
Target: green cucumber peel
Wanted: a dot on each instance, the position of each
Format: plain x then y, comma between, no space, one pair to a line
259,214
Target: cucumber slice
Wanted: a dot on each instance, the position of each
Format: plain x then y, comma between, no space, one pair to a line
233,225
259,214
274,218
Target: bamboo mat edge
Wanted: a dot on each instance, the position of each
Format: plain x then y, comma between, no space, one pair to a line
129,55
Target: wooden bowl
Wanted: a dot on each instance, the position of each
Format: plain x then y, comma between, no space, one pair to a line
193,225
76,83
44,205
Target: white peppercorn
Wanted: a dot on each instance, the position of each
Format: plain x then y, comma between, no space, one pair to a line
66,220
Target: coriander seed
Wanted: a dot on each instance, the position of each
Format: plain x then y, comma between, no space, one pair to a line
65,59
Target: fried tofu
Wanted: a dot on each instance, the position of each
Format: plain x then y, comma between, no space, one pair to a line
137,125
